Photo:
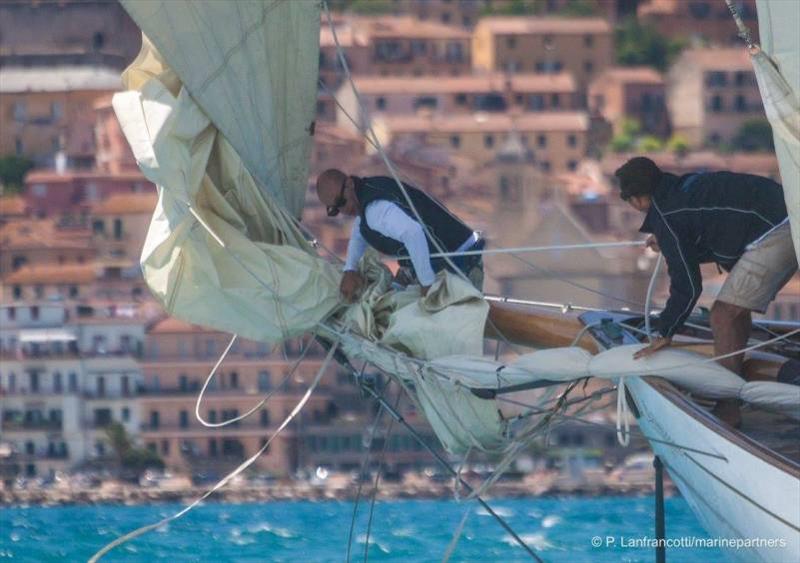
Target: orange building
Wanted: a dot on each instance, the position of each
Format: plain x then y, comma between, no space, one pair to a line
704,20
558,139
711,93
113,154
47,110
631,92
405,46
120,223
40,243
581,46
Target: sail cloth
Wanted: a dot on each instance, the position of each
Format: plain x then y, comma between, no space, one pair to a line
267,283
252,66
777,68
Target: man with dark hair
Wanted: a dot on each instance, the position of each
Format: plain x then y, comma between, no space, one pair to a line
386,222
737,221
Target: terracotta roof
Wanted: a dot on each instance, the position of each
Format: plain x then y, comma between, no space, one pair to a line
633,74
171,325
27,233
718,58
489,122
13,205
127,204
51,176
62,273
492,82
347,36
527,25
407,27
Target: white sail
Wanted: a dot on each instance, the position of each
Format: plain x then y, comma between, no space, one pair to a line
252,66
778,72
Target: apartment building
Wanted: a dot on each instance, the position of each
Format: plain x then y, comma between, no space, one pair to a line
120,223
557,139
581,46
466,94
405,46
639,93
65,375
47,111
32,242
698,20
711,93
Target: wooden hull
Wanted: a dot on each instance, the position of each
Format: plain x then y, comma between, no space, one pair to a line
539,329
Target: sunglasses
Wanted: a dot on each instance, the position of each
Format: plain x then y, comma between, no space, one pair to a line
333,210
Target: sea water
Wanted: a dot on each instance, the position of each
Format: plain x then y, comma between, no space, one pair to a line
557,529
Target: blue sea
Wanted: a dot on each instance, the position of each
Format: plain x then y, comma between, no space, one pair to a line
558,529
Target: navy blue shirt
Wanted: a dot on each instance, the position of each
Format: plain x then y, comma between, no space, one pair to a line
707,217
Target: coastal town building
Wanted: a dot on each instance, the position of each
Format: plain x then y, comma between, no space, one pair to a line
581,46
638,93
66,374
698,20
458,95
47,112
711,92
31,242
558,139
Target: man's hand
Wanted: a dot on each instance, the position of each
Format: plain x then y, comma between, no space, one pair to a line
656,345
651,243
351,285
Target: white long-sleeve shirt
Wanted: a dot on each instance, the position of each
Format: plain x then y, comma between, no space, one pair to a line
389,220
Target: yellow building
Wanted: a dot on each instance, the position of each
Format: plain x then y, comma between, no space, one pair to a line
581,46
44,110
557,139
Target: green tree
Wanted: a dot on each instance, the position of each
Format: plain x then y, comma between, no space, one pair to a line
129,458
369,7
638,44
622,143
12,172
579,8
631,127
754,135
512,8
650,143
678,144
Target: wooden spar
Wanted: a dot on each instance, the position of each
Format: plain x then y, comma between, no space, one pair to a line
549,329
539,329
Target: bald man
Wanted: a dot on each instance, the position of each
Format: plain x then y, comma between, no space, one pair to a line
386,222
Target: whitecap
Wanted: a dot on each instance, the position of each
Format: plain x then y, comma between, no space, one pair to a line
362,539
534,541
15,536
550,521
499,510
406,532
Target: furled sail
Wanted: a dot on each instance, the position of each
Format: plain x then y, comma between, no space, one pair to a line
777,69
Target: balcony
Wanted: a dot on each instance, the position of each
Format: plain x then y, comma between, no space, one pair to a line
32,426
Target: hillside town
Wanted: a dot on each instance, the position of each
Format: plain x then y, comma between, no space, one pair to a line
515,113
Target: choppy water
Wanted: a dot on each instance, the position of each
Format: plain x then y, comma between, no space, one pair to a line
559,529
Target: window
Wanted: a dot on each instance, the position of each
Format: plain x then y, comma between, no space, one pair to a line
699,10
101,386
183,418
211,347
264,382
233,380
572,165
102,417
35,313
588,67
33,381
38,291
716,78
58,383
488,141
572,140
73,291
164,447
118,228
125,385
20,111
546,166
126,414
98,40
19,148
588,40
17,291
183,383
541,141
455,141
741,104
264,417
555,100
380,103
12,382
461,99
155,420
72,384
212,448
716,104
212,416
511,42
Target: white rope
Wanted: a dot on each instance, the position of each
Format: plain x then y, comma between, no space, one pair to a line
224,481
261,403
456,536
648,301
524,249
